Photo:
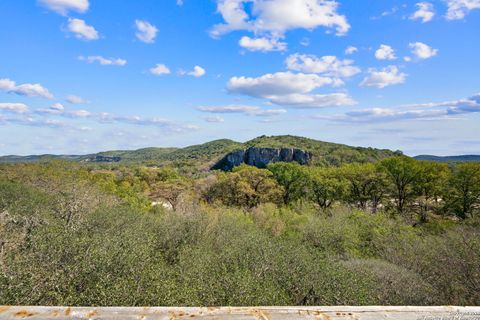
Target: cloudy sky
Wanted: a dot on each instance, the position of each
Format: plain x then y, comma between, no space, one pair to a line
79,76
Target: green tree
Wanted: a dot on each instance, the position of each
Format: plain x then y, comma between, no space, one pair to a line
367,184
292,177
170,186
402,173
326,186
246,187
430,182
464,189
170,190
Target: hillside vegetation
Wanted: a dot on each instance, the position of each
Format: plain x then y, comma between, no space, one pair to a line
324,153
394,232
204,155
453,159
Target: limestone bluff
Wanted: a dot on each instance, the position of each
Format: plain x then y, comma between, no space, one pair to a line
261,157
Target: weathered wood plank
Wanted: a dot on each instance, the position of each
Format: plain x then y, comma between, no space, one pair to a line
241,313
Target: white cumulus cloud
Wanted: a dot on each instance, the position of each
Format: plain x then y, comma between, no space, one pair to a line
81,30
26,89
54,109
327,65
197,72
458,9
280,83
275,17
425,12
385,52
351,50
290,89
146,32
385,77
64,6
262,44
423,51
7,85
159,70
14,107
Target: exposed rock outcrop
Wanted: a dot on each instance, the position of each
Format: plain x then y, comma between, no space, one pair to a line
98,158
261,157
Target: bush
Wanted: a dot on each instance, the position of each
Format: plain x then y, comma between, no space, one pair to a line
389,284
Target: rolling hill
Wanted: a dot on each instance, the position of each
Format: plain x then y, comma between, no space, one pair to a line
461,158
204,155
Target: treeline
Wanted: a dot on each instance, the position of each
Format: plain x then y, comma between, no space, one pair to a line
399,185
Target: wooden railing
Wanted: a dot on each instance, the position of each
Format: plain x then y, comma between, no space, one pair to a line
241,313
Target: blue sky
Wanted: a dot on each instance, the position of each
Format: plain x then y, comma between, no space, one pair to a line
80,76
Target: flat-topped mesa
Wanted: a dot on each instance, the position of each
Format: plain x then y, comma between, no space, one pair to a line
261,157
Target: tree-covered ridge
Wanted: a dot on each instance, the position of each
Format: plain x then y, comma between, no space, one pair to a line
204,155
204,151
144,154
324,153
39,158
461,158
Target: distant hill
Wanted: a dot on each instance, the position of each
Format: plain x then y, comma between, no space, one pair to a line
39,158
462,158
205,155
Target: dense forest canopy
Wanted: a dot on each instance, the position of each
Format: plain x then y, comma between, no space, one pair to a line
391,232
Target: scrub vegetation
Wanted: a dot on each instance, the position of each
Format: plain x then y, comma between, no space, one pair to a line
392,232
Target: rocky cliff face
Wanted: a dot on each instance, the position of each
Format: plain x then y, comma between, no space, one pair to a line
261,157
98,158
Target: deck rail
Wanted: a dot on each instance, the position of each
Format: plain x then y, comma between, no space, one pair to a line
241,313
